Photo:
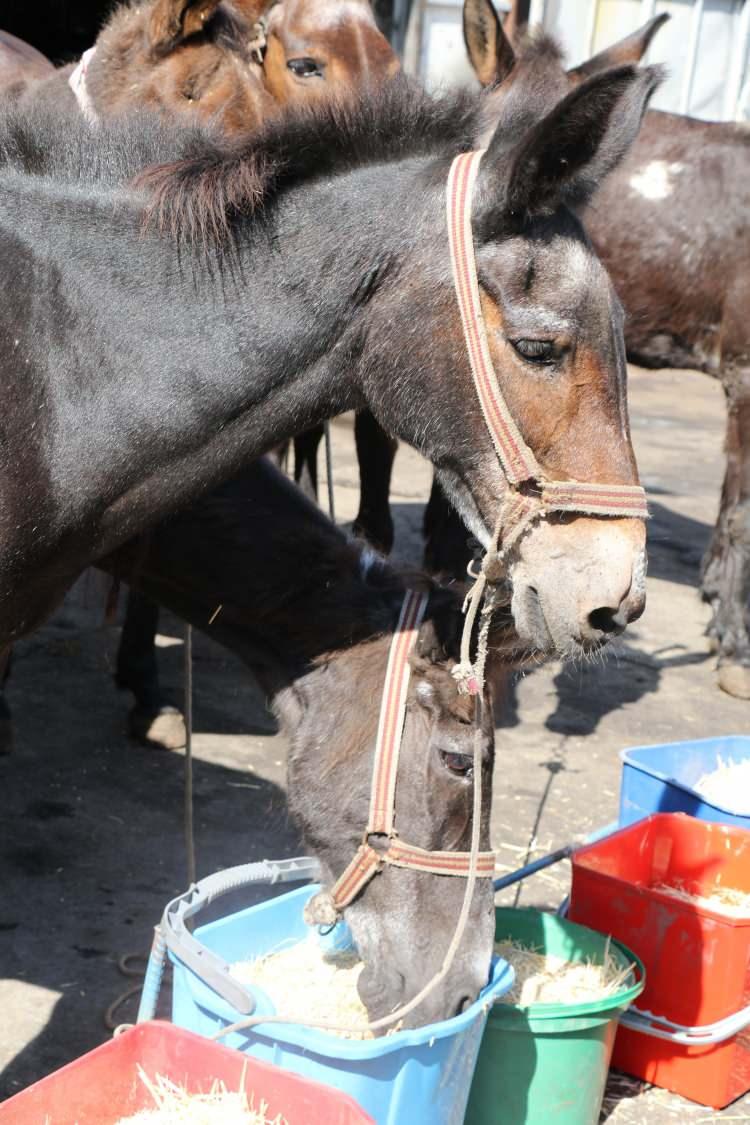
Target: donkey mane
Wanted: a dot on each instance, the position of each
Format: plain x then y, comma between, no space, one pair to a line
198,196
196,182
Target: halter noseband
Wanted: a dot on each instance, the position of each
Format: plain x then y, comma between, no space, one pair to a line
520,467
368,860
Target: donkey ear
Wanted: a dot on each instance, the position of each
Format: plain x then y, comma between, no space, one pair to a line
565,155
174,20
631,49
487,45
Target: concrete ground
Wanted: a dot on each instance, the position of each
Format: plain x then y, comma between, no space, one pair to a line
91,845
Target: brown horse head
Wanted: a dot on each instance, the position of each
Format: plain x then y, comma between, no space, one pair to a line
316,46
213,58
182,56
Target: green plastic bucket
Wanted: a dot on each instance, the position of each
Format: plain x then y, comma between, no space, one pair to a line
548,1062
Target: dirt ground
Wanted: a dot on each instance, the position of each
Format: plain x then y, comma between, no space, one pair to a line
91,846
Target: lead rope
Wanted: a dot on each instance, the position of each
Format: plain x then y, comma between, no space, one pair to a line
329,468
458,933
188,795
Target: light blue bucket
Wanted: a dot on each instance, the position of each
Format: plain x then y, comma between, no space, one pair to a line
415,1077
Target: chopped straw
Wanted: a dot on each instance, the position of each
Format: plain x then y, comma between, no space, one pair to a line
543,978
723,900
728,785
173,1105
309,983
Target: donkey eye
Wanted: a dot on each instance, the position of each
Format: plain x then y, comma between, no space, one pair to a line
462,765
536,351
305,68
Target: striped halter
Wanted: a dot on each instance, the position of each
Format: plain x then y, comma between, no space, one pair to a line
368,861
531,495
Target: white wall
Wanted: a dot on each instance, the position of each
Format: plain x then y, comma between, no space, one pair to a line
705,46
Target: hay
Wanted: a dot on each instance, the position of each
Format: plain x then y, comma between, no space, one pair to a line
728,785
173,1105
309,983
723,900
542,978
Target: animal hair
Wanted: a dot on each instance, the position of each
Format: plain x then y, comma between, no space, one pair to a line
196,181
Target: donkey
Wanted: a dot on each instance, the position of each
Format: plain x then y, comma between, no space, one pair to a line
312,614
681,271
234,65
285,279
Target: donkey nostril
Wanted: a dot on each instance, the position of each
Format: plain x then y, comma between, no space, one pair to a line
464,1003
608,620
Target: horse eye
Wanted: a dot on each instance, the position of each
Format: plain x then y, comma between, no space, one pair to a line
536,351
462,765
305,68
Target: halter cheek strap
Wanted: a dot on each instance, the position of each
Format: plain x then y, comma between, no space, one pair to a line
369,860
531,494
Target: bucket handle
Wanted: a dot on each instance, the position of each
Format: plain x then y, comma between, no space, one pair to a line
206,965
658,1027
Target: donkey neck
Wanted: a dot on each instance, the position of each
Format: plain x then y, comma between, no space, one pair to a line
164,372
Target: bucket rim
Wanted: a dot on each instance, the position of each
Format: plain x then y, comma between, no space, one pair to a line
587,1008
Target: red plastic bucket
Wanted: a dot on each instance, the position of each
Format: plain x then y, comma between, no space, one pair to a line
697,959
103,1086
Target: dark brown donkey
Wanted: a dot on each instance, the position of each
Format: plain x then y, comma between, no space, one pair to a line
672,225
164,323
312,614
202,60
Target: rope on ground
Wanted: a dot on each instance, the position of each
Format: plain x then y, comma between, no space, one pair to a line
123,964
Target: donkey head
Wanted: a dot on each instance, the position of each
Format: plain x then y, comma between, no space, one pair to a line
317,46
555,331
403,920
183,56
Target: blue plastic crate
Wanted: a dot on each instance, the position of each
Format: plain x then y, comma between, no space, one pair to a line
416,1076
661,779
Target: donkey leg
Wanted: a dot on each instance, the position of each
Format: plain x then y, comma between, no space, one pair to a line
6,720
726,575
449,546
375,452
153,721
306,461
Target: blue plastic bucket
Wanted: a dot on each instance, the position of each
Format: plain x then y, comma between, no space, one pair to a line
661,779
417,1076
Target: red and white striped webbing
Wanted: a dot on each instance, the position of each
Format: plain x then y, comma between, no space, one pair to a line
368,860
517,459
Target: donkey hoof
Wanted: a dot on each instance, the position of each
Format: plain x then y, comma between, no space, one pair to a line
320,910
161,728
734,679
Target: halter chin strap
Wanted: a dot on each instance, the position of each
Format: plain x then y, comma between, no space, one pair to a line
531,495
368,860
77,83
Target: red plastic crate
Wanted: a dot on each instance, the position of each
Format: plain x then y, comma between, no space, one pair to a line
697,960
103,1085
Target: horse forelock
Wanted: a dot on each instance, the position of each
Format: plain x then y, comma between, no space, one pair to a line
538,46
